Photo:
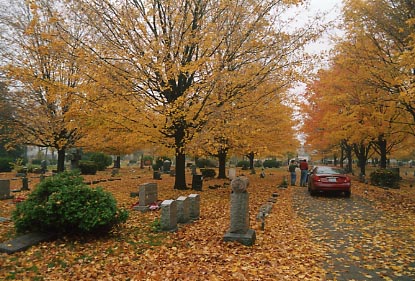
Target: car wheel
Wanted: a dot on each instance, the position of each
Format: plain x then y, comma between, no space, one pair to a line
347,194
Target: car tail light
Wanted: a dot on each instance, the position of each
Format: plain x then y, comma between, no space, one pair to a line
316,178
347,179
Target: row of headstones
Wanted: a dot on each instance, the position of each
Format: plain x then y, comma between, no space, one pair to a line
182,210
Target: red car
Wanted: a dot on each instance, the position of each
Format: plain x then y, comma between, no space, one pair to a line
331,179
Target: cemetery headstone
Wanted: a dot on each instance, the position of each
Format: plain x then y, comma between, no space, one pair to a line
239,226
166,166
75,155
194,206
183,209
147,193
5,189
168,216
156,175
25,241
193,168
43,166
232,173
25,183
197,182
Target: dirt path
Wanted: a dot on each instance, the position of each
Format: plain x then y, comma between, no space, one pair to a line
362,242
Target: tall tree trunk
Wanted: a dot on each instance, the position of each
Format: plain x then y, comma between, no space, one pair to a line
362,151
180,179
61,160
251,157
179,139
382,151
117,162
222,163
142,161
347,154
349,158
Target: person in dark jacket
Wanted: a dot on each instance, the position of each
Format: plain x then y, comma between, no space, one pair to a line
304,172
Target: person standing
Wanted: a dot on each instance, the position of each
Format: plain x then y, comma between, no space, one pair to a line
304,171
291,169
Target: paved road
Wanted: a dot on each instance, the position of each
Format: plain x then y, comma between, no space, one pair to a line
362,242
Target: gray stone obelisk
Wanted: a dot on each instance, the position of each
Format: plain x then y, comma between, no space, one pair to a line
239,227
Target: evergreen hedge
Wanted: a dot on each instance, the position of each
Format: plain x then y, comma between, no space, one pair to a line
64,204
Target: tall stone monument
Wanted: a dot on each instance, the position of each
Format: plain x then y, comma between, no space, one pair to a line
239,227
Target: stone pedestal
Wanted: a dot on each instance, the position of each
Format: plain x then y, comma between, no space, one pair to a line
247,239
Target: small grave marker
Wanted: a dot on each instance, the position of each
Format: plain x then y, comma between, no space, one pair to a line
24,242
194,206
168,217
197,182
183,209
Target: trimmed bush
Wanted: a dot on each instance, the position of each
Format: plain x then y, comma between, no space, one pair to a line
88,167
205,163
5,165
271,164
63,204
243,164
101,160
208,173
384,178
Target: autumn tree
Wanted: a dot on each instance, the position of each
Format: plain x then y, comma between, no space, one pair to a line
170,56
387,26
42,68
260,128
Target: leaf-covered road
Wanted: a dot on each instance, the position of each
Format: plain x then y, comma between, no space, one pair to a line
362,241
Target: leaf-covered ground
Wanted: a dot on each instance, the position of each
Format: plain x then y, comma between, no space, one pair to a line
284,250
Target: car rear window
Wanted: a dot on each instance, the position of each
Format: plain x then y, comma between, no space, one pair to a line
329,170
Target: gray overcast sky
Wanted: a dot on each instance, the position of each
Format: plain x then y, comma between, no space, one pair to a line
332,11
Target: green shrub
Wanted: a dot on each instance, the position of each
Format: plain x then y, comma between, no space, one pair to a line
5,165
101,160
147,160
63,204
385,178
243,164
19,166
271,164
88,167
205,163
159,163
208,173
